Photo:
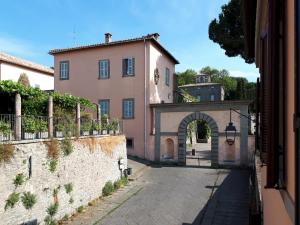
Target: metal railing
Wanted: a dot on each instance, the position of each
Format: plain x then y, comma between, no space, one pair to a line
7,124
37,127
64,127
34,127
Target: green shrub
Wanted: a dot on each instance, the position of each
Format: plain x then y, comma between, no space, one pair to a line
108,188
41,125
50,221
52,165
80,209
12,200
124,180
19,180
52,209
115,125
68,188
86,121
29,124
67,146
59,127
5,128
28,200
96,126
117,184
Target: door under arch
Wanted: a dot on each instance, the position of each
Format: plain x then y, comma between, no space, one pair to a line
182,133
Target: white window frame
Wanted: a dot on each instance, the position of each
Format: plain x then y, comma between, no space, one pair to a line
103,68
128,108
64,70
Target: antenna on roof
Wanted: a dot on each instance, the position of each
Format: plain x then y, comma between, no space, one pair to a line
74,36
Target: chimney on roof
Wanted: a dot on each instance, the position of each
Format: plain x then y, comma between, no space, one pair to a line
156,36
108,38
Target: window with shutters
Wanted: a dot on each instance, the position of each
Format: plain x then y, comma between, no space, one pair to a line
128,66
64,70
167,77
128,108
104,105
104,69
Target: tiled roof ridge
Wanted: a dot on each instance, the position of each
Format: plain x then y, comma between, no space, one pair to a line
25,63
148,36
82,47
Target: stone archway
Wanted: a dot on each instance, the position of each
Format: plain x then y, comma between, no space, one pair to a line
182,137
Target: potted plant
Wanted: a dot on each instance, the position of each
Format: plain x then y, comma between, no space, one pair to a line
5,131
115,126
85,128
42,128
96,127
104,129
29,127
59,128
85,123
110,129
104,122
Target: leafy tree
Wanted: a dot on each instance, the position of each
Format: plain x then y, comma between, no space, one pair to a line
187,77
228,32
241,88
222,77
23,79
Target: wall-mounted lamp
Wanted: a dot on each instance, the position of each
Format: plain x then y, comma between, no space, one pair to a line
230,132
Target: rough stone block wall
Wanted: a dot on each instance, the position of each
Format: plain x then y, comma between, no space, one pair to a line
93,162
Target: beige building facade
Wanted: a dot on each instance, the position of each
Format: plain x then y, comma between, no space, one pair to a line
39,76
124,77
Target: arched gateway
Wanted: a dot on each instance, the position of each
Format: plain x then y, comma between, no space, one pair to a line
182,132
170,121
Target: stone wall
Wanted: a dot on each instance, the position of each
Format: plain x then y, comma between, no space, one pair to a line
92,163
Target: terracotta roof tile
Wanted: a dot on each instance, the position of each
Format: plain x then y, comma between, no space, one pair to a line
150,37
25,63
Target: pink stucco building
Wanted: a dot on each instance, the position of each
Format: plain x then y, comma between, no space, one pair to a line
124,77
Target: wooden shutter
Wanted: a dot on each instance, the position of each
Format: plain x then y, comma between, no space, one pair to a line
124,67
272,95
133,66
108,68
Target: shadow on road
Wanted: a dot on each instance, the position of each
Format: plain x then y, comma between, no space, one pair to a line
229,201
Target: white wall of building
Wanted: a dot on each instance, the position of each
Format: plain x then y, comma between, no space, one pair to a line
37,79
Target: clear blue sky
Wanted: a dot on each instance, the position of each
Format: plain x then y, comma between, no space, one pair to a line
30,28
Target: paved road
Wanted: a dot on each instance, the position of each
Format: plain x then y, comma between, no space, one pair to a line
185,196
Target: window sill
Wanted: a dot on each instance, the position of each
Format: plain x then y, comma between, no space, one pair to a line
127,118
133,75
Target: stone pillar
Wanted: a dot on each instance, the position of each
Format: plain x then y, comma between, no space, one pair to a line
244,137
50,117
78,120
99,115
18,119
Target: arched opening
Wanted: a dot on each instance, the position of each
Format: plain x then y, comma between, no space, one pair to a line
170,148
198,144
183,135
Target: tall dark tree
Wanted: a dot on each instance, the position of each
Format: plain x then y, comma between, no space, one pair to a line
228,31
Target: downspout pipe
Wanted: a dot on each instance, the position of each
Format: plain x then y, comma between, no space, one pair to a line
297,111
145,100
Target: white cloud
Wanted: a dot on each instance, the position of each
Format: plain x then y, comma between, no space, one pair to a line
251,76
